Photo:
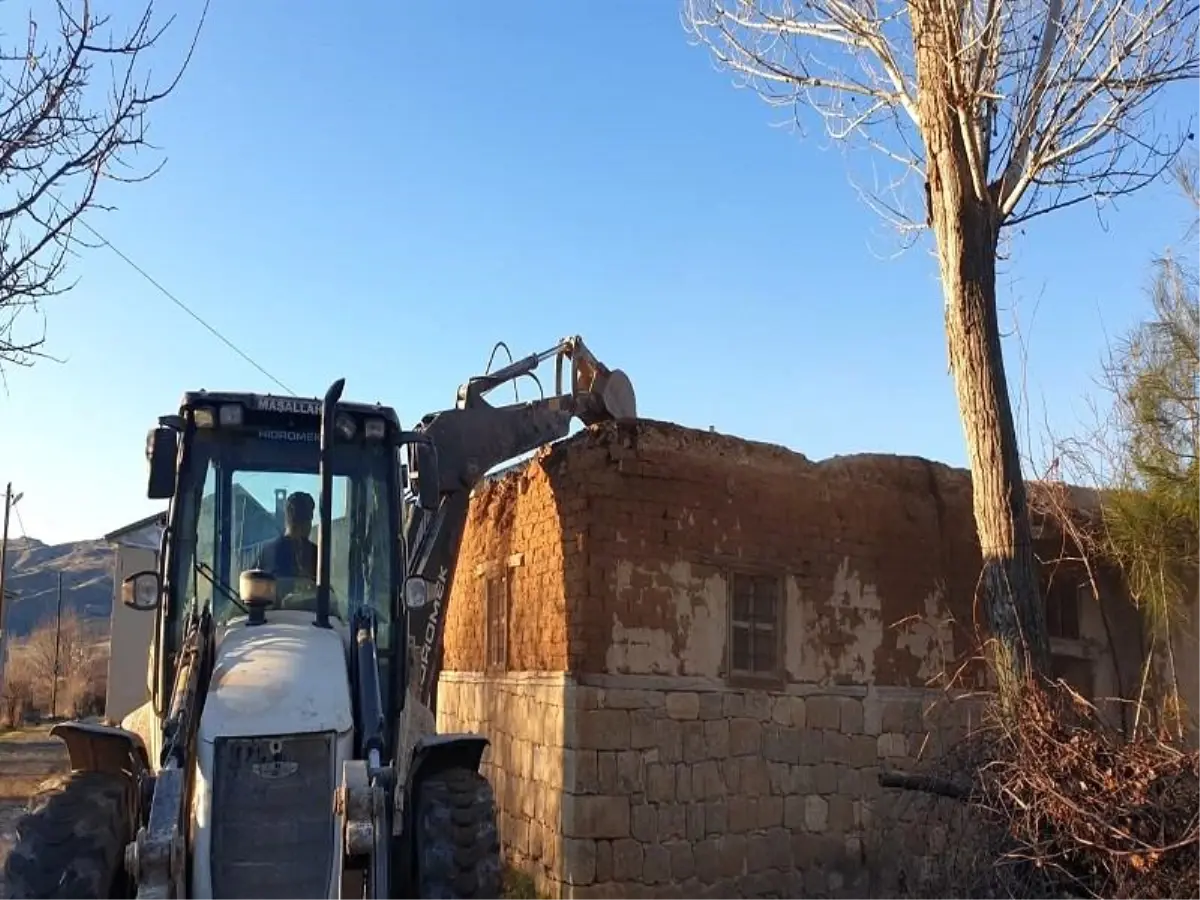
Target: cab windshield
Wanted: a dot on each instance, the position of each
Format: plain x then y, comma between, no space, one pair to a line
250,502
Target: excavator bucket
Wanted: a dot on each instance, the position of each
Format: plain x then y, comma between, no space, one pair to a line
602,393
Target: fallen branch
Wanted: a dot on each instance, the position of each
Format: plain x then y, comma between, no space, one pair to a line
926,784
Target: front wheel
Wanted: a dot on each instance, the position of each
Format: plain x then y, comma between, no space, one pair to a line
457,845
71,842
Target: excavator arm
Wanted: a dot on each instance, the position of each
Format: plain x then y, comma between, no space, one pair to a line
467,442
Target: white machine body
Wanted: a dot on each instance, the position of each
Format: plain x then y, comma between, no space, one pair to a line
276,728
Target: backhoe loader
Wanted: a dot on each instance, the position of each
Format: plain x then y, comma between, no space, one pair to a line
288,748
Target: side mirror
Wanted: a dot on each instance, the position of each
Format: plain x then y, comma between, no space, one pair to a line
421,474
162,445
142,591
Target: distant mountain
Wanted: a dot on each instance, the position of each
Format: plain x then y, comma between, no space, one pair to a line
33,568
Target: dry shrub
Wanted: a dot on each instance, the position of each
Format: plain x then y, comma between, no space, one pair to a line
1063,805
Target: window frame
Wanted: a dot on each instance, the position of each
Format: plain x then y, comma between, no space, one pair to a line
752,677
496,663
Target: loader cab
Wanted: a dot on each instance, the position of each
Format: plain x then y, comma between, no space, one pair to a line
246,496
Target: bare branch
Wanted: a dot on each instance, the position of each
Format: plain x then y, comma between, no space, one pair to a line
1053,98
59,142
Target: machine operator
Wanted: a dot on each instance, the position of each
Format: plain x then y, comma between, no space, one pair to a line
292,554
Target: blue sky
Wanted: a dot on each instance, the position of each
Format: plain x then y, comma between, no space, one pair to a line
381,191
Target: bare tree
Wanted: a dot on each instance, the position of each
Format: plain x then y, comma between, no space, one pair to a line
60,657
16,696
1007,109
73,106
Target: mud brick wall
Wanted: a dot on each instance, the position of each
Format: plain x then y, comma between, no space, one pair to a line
671,775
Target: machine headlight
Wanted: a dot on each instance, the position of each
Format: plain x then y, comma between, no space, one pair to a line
416,592
374,429
203,417
231,415
344,425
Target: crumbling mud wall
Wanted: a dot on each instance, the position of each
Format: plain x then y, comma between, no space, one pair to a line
671,766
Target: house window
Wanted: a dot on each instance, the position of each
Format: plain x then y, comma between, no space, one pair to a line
496,616
756,604
1062,607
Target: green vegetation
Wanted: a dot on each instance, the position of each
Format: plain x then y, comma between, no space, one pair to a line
1152,516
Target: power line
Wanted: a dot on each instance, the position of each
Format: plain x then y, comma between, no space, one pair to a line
183,306
150,278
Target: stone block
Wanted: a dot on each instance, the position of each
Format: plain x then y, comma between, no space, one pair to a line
669,737
743,814
836,746
606,772
656,864
579,861
793,812
755,778
780,777
604,729
716,737
823,712
695,821
770,812
745,737
627,858
758,858
780,843
816,813
630,772
733,705
683,705
731,773
812,747
862,751
644,822
626,698
694,745
848,782
604,861
596,816
716,817
781,744
825,778
852,715
641,729
872,715
891,745
683,865
712,705
758,705
707,783
732,850
672,821
841,814
802,780
781,710
707,855
684,790
660,783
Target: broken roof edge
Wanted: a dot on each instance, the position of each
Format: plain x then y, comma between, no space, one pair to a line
658,436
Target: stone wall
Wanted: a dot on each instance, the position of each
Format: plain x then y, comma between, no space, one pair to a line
728,793
523,716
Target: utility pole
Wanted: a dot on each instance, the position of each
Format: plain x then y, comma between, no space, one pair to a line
57,635
10,500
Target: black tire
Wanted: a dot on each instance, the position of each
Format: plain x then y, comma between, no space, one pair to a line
457,845
71,842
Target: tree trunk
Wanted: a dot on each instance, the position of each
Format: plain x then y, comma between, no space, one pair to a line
966,227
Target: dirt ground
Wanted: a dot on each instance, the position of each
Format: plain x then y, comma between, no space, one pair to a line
27,756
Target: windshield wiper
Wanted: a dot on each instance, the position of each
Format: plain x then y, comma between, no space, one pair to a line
206,570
